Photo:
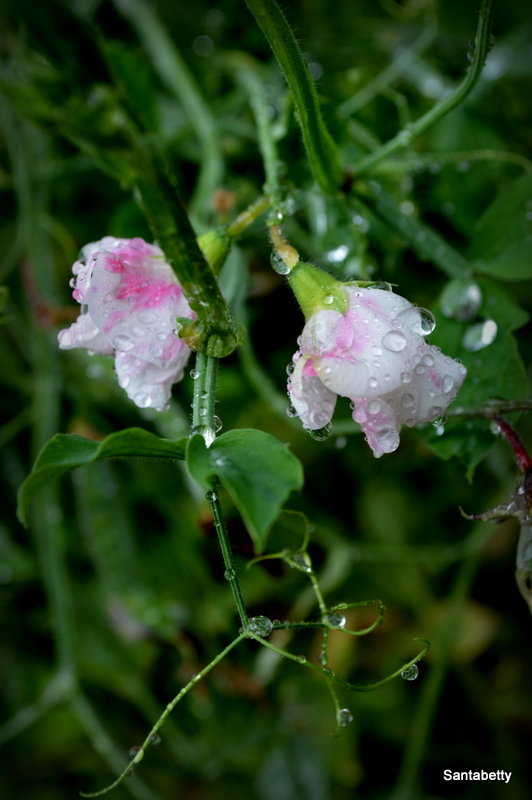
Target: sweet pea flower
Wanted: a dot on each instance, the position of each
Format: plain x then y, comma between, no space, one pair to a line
130,299
374,353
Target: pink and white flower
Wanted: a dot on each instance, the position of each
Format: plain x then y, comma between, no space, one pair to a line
376,355
130,299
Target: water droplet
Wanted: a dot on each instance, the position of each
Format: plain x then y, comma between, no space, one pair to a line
122,343
344,717
260,626
291,412
410,673
395,341
320,434
338,254
384,286
480,335
211,496
418,320
194,374
374,407
335,619
290,368
218,424
278,264
72,283
376,350
323,658
387,439
155,739
407,400
406,377
360,223
373,383
302,659
134,751
142,400
229,574
328,299
300,561
202,412
461,299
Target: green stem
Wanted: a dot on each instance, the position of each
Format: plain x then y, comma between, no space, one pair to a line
225,547
247,217
139,755
370,687
214,332
175,75
321,150
249,79
447,104
205,376
393,71
204,422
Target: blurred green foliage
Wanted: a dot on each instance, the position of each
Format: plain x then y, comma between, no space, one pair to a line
115,594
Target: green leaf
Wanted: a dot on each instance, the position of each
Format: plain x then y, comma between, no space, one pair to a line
257,470
495,371
502,239
65,452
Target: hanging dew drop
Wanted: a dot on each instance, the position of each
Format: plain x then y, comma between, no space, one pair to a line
134,751
335,619
290,368
291,412
410,673
278,264
260,626
229,574
300,561
211,496
155,739
344,717
320,434
218,424
194,374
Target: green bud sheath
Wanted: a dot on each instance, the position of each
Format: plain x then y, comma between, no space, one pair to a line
316,290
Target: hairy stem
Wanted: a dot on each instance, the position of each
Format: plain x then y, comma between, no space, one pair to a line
321,150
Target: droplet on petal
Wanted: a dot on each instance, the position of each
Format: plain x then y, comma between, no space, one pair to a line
394,340
447,384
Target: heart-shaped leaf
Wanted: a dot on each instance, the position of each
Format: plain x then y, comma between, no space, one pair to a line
256,469
65,452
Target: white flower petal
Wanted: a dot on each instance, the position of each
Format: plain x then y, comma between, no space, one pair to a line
312,400
133,299
84,333
376,355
